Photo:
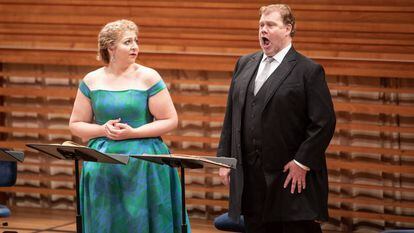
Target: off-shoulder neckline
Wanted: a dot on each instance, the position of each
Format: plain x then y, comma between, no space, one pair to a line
139,90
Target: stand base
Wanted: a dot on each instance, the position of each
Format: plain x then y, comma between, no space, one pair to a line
5,224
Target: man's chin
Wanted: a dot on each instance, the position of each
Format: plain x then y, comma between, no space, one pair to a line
270,53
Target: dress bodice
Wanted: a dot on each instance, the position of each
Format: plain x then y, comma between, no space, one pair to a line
130,105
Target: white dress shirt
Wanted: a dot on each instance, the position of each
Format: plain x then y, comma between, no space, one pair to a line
278,59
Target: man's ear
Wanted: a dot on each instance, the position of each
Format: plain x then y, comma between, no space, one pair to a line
288,29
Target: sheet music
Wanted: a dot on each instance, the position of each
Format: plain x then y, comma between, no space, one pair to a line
79,152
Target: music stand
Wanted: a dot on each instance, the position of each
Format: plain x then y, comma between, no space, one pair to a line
10,156
191,162
76,153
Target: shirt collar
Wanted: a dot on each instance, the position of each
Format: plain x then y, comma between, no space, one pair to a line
280,55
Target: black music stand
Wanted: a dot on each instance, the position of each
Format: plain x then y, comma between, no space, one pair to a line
78,152
10,156
191,162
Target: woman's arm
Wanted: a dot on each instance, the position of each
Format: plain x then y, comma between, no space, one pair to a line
80,123
163,110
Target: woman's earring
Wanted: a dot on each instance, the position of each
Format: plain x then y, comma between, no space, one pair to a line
113,58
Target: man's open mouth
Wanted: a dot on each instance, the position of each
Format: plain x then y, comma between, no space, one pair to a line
265,41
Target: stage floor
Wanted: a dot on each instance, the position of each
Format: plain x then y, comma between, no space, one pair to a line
33,220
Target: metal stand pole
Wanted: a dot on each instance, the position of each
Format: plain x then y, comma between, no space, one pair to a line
183,218
78,214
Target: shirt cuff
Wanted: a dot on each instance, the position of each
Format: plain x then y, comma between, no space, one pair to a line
302,166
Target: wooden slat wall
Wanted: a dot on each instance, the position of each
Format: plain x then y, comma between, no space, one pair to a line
366,47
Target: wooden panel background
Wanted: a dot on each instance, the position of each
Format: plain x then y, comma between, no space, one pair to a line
366,47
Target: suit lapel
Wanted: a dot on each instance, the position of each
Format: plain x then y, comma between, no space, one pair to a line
246,76
280,74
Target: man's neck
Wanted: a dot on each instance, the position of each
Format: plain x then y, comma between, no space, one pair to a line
276,54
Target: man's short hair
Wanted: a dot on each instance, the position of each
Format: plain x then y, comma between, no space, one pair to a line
285,13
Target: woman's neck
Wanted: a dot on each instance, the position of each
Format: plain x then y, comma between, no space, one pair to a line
119,70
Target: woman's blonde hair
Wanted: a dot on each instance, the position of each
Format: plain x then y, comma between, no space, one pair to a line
110,34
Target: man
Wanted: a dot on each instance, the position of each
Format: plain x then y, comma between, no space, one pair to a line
279,121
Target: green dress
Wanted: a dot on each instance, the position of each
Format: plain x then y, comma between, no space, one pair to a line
138,197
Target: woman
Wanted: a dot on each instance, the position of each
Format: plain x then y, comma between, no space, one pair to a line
124,108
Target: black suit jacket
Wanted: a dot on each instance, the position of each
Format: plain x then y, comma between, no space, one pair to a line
298,122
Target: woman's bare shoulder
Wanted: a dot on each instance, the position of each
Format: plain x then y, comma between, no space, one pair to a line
148,75
91,77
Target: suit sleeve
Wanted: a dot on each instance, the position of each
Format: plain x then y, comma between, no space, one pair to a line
224,147
321,116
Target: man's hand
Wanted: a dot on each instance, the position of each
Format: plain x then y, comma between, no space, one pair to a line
225,175
297,175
